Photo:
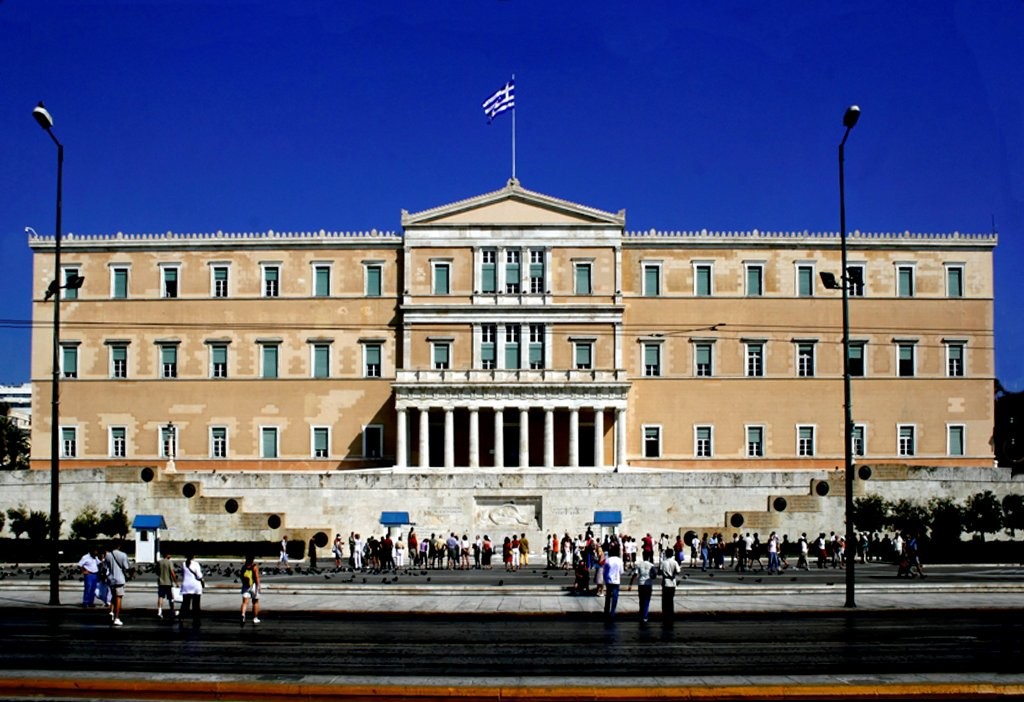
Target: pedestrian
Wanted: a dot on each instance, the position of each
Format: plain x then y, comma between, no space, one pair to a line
282,561
356,554
312,553
102,581
669,571
524,551
612,580
191,591
486,553
337,549
167,579
644,576
801,563
90,567
414,549
117,576
251,589
399,550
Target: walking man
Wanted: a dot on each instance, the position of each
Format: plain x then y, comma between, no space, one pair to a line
644,576
166,580
669,571
612,580
117,576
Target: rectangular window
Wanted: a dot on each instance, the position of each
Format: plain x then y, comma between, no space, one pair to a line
755,360
218,442
68,442
955,440
374,280
70,293
584,354
584,284
702,360
269,353
169,278
856,275
702,442
954,360
169,361
652,360
954,281
805,281
755,442
219,275
219,361
512,279
488,346
118,361
856,361
537,271
321,360
321,281
321,442
906,434
805,441
702,280
489,271
512,336
652,442
69,361
652,280
805,359
271,281
905,281
118,442
755,280
168,441
373,360
857,438
119,283
442,355
905,360
537,346
268,442
373,441
441,283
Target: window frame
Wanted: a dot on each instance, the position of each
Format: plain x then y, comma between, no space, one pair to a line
703,447
911,345
368,429
314,346
215,284
651,436
649,370
808,369
962,428
436,266
853,290
806,447
911,270
316,430
267,372
216,346
698,268
368,267
66,271
116,269
578,269
114,348
536,342
748,268
697,347
327,268
537,284
802,268
368,367
274,431
270,288
760,429
961,345
163,365
863,439
69,351
435,347
906,447
114,443
863,347
216,440
167,290
68,447
579,345
753,351
168,440
654,268
959,268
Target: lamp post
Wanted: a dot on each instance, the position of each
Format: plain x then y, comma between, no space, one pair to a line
849,120
46,122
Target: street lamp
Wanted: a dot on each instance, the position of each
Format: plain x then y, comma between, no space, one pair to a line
849,120
45,121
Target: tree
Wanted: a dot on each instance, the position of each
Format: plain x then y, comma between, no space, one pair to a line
947,520
37,525
115,522
2,520
86,525
983,514
907,516
13,445
19,518
870,513
1013,514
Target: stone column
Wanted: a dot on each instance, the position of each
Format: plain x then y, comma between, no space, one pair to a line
549,438
424,437
499,438
599,437
524,437
574,437
449,438
474,437
620,438
401,449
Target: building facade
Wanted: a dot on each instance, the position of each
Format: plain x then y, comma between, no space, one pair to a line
514,332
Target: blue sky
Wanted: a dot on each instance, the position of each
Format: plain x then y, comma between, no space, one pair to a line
244,116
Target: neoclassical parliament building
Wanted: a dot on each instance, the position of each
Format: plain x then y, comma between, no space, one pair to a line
510,350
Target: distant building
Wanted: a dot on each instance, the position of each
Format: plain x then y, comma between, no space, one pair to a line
18,400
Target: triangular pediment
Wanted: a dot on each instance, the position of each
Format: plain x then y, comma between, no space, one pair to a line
513,205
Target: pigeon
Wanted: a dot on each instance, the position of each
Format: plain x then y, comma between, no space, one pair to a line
501,582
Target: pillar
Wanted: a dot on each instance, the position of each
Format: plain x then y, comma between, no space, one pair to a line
499,438
574,437
474,437
549,438
620,438
424,437
599,437
401,438
524,437
449,437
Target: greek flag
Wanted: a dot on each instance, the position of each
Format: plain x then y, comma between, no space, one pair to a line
503,99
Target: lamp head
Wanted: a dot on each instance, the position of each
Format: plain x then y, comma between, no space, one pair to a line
851,116
42,116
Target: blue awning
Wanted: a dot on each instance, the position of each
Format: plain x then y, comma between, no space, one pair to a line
394,518
149,521
608,517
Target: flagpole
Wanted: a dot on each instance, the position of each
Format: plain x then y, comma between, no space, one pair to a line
513,135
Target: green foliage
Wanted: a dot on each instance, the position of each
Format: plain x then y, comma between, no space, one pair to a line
86,525
947,520
19,518
983,514
907,516
870,513
14,445
38,525
115,522
1013,514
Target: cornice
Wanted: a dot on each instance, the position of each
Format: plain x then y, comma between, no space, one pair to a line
856,238
218,239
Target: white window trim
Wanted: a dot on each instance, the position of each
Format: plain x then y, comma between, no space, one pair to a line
660,344
227,359
277,442
111,345
797,265
864,434
955,265
643,440
367,265
313,343
436,263
912,266
746,357
694,343
264,265
127,268
577,263
74,428
110,441
747,265
64,269
312,442
380,344
434,344
813,343
213,266
897,343
313,266
962,343
588,341
711,277
64,346
380,447
814,440
263,344
863,344
863,266
711,441
161,451
164,267
644,265
963,439
746,440
913,438
227,442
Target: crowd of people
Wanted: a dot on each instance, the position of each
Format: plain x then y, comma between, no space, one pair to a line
437,552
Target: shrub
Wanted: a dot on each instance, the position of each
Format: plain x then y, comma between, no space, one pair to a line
983,514
19,517
115,522
870,513
1013,514
86,525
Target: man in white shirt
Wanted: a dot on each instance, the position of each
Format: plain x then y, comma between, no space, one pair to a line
669,571
612,581
90,566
